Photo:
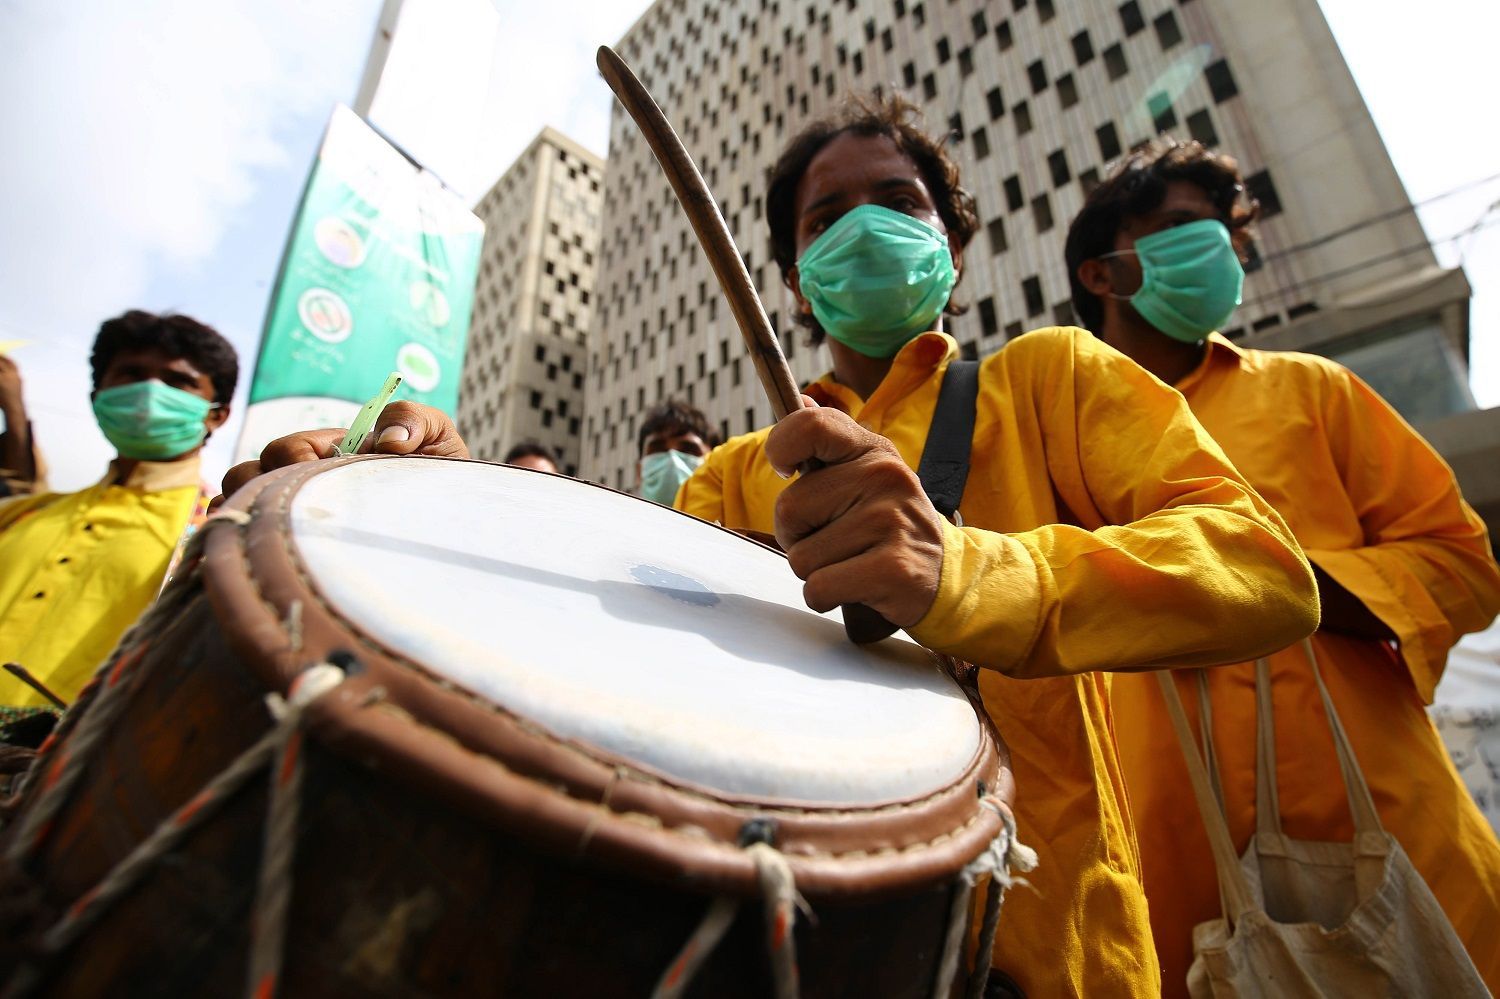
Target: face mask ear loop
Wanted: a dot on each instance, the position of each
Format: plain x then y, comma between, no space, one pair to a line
1116,253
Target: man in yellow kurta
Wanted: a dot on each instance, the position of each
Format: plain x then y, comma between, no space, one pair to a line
77,569
1403,566
1101,527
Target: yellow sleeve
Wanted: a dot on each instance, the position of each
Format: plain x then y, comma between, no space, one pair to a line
1426,568
702,495
1197,570
14,508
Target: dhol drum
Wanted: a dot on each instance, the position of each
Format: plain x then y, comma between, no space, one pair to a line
408,726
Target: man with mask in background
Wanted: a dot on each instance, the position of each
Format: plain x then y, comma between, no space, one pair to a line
77,569
1402,564
673,441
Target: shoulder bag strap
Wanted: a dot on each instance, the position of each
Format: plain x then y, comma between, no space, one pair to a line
945,457
1233,887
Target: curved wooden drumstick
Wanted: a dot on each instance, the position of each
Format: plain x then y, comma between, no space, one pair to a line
860,622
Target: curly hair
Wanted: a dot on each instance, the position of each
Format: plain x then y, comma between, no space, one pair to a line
674,414
1138,185
878,112
173,335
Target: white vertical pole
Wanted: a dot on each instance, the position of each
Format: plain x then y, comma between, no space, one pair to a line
380,48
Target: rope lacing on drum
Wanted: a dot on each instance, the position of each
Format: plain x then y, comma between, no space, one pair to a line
279,746
779,898
1003,855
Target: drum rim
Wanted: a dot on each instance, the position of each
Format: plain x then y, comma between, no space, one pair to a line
558,793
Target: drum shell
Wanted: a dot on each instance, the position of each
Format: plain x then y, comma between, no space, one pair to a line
439,849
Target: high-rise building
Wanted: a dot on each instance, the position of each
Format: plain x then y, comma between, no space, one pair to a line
523,373
1039,97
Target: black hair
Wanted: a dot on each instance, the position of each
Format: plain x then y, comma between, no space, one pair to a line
673,414
173,335
530,449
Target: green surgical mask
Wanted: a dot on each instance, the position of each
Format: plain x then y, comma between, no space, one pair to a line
151,420
876,278
664,472
1191,279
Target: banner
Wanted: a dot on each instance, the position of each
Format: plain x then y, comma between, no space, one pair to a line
378,276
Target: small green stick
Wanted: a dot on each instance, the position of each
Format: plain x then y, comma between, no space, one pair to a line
365,421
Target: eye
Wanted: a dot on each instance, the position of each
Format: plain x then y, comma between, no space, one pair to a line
906,204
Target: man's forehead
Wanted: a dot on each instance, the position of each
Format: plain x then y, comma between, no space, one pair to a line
855,162
154,356
669,432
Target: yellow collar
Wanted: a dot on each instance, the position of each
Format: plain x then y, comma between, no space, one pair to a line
1218,349
157,476
911,366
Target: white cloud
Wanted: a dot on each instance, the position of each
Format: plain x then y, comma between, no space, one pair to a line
134,134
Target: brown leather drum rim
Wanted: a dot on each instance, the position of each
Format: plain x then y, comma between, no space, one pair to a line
562,795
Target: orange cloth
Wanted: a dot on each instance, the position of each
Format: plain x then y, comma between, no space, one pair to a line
1377,509
1070,438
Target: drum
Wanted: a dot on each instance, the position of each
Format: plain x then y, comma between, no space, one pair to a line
412,726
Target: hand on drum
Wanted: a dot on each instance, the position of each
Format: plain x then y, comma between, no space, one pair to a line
860,529
402,428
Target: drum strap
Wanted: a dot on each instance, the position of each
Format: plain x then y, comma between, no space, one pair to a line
944,468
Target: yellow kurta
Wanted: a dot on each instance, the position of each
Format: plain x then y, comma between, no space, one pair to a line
1375,508
1071,437
77,569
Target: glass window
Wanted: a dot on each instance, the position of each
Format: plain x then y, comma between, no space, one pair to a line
1057,163
1041,210
1022,113
981,144
1167,31
1109,140
1031,290
1037,74
1413,367
1201,127
996,232
1013,197
996,102
1261,188
1220,81
1114,62
1131,19
1083,48
1067,91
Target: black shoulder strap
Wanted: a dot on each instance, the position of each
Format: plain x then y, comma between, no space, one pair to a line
945,458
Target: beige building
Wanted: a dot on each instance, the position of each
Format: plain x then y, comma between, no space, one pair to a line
523,373
1039,96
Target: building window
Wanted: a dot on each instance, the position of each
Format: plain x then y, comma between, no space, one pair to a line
1261,189
988,321
965,60
1045,11
1037,74
1201,127
981,25
1022,112
997,103
1083,48
909,74
1088,180
1031,290
1162,115
1131,19
1220,81
996,231
1067,91
1109,141
1167,31
981,144
1057,162
1003,38
1114,62
1013,197
956,127
929,87
1041,210
943,52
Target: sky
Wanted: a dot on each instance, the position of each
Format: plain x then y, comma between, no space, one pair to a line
156,150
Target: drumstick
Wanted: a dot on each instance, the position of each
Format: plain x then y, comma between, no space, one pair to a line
860,622
24,675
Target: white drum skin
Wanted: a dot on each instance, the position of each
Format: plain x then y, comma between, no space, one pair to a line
633,628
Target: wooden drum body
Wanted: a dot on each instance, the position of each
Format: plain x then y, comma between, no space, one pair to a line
552,727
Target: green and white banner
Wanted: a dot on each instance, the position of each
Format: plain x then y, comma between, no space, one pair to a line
378,276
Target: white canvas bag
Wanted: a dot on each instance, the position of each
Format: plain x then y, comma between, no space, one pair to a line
1313,919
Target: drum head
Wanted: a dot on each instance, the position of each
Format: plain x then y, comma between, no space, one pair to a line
676,645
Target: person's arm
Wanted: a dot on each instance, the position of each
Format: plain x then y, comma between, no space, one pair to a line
402,428
16,448
1200,570
1425,574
